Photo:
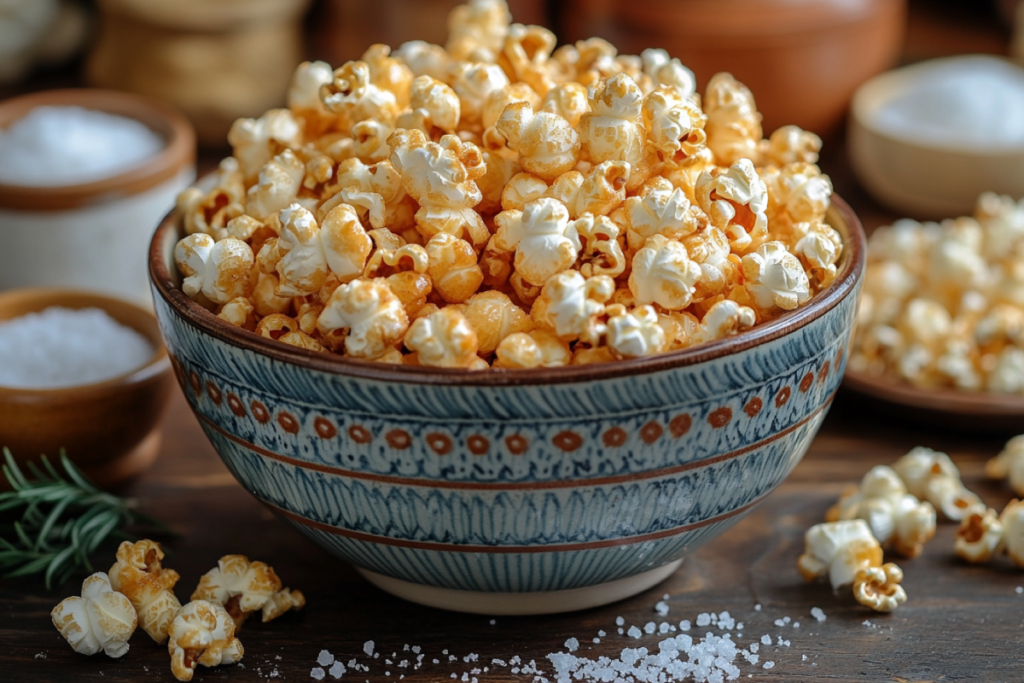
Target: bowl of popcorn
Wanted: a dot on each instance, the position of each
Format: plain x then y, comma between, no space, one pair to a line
940,330
512,330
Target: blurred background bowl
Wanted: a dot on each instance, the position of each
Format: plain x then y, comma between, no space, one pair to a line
94,235
109,429
802,60
513,492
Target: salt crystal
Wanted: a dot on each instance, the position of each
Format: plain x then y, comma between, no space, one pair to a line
1018,590
769,664
619,621
766,639
492,622
337,670
324,659
634,632
703,619
368,648
601,634
61,347
661,608
649,627
40,655
54,146
684,625
572,645
317,673
757,607
416,649
596,640
818,614
796,624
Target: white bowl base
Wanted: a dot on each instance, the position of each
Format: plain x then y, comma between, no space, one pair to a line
507,604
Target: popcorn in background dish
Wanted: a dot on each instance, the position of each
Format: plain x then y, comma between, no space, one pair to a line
138,575
896,518
1009,464
202,633
365,316
444,339
243,587
101,619
931,476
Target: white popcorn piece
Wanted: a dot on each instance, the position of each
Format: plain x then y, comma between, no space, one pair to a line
897,519
660,210
734,125
879,587
353,96
668,71
473,82
735,201
931,476
1009,464
955,261
635,333
434,108
613,130
603,189
545,241
839,550
720,268
546,144
304,97
254,142
497,101
979,536
211,212
346,245
1007,376
220,271
775,278
202,633
663,273
799,192
674,123
138,575
240,586
101,619
444,339
819,249
278,186
726,318
424,59
297,255
534,349
1012,520
365,316
570,305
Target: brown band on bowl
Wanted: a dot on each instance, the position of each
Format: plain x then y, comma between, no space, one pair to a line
179,149
851,268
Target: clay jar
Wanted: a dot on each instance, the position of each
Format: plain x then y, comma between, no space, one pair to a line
802,60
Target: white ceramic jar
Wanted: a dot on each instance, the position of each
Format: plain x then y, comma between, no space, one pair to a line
95,235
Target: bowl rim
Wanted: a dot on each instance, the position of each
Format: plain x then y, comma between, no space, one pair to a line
882,87
158,364
178,152
198,317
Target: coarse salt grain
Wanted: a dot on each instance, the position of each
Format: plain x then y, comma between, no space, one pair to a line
572,645
325,658
818,614
368,648
55,146
337,670
317,673
62,347
1018,590
661,608
634,632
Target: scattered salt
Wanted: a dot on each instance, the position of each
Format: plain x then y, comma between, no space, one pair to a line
818,614
54,146
634,632
619,621
368,648
1018,590
650,627
703,619
572,645
601,634
40,655
684,625
61,347
324,659
317,673
337,670
769,664
766,639
661,608
492,622
757,607
796,624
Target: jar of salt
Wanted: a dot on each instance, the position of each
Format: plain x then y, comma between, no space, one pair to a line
85,176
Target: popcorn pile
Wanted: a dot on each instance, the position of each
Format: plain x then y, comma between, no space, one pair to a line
943,304
499,203
140,592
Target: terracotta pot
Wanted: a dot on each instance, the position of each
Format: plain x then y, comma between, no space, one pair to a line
802,60
93,235
109,429
348,27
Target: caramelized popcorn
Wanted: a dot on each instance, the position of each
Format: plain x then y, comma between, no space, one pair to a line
930,475
1009,464
879,587
202,633
504,200
979,535
242,587
102,619
137,574
839,550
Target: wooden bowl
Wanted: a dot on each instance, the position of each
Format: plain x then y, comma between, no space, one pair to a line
109,429
943,408
802,60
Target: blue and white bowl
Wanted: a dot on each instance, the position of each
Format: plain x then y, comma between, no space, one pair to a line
507,492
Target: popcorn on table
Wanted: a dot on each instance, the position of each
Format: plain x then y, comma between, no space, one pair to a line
102,619
504,202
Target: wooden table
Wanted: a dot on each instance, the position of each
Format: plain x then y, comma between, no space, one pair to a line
961,623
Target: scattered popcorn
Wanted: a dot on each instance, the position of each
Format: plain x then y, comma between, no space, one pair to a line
932,476
473,176
102,619
982,534
243,587
138,575
202,633
878,587
1009,464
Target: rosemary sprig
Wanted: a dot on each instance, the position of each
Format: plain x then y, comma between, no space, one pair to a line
63,520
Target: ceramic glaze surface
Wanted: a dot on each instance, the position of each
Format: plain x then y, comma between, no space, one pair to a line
533,487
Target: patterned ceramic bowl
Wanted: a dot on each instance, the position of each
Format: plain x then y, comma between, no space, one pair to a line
518,491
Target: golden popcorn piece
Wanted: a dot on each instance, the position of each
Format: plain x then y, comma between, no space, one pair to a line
567,100
493,316
277,186
663,70
474,82
546,144
601,253
521,189
636,333
525,55
477,30
404,269
254,142
101,619
388,73
424,59
297,255
242,587
791,145
544,239
980,535
603,189
365,316
674,123
660,209
534,349
800,193
221,271
345,243
725,318
570,306
734,124
735,201
354,97
819,247
613,129
265,299
434,108
202,633
897,519
453,267
879,587
663,273
444,339
1009,464
500,172
931,476
839,550
239,312
304,99
212,211
287,331
138,575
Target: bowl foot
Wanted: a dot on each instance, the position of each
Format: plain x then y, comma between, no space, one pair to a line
130,465
505,604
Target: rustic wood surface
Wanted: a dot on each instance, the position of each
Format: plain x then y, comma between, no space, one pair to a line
962,623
